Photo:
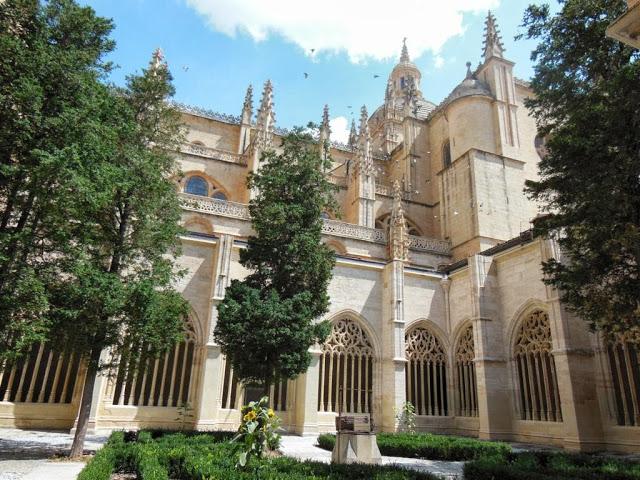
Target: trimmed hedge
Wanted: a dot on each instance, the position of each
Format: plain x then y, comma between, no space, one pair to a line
429,446
191,456
551,466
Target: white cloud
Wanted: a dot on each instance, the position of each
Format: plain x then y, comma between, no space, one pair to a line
362,28
339,129
438,61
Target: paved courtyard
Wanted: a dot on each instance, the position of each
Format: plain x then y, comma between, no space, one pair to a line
31,454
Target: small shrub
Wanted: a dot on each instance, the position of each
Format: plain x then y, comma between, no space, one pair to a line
406,417
327,441
107,460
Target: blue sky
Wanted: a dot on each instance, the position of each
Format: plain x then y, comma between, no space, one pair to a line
215,48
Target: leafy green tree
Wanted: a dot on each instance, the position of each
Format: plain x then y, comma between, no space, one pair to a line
268,321
114,288
586,96
50,66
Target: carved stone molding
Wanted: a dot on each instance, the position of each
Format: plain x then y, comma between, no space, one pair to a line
425,244
213,153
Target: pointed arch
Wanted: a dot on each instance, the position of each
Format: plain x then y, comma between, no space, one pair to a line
426,369
465,380
143,380
622,352
536,375
382,222
347,362
214,188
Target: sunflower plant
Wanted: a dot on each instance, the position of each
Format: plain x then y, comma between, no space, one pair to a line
257,430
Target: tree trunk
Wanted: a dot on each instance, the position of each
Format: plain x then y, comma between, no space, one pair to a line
77,448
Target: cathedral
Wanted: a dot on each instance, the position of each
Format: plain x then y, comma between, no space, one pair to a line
437,295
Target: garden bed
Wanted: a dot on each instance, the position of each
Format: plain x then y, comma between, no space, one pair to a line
430,446
160,456
551,466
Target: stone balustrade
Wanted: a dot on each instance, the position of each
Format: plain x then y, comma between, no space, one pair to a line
223,208
213,153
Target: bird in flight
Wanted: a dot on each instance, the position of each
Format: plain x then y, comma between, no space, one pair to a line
306,75
185,68
313,50
376,76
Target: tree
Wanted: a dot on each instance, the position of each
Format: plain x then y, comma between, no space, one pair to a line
586,96
50,67
268,321
114,287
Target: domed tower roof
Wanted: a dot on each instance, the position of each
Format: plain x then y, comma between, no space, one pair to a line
470,86
405,72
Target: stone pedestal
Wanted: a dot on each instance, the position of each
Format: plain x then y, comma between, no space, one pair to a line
356,448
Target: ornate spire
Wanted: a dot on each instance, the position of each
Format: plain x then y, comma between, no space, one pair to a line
398,234
325,129
365,160
353,134
404,56
247,106
493,46
266,118
469,72
157,60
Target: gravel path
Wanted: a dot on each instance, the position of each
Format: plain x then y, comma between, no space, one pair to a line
24,454
304,448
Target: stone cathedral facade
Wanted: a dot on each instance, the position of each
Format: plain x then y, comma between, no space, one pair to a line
436,296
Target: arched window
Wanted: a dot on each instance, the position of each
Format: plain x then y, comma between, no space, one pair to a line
346,370
232,391
536,370
197,185
623,351
426,373
40,376
165,381
383,223
466,386
446,154
219,195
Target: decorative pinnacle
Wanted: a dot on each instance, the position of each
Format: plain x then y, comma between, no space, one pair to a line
325,117
493,46
157,60
248,99
364,121
469,73
353,134
404,56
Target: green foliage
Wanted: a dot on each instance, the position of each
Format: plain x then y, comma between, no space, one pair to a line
268,321
207,456
550,466
430,446
51,63
257,431
587,90
106,460
406,418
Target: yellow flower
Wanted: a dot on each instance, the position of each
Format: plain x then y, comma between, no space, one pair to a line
250,416
271,413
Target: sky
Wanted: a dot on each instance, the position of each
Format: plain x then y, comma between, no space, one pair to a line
216,48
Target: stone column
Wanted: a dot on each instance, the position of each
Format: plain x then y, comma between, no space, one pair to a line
305,416
99,391
393,360
208,401
576,368
494,395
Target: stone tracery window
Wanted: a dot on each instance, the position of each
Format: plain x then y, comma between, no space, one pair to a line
197,185
346,370
623,352
382,223
40,376
466,385
426,373
165,381
536,370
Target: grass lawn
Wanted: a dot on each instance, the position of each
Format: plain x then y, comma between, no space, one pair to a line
157,456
